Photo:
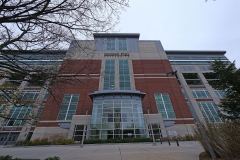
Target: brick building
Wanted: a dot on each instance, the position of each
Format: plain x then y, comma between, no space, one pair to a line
128,90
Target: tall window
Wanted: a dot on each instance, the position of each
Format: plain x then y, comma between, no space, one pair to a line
109,76
68,107
124,77
122,44
18,115
111,44
164,105
210,111
200,93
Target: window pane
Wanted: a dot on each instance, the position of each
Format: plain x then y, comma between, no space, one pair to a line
164,105
68,107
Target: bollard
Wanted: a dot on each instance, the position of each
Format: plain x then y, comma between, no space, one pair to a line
177,141
169,141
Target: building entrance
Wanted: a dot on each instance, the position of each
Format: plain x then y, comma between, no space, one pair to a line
8,139
117,115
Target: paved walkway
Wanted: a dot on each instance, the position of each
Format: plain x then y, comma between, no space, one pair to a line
123,151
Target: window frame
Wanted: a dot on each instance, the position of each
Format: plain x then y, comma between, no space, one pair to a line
65,107
166,110
111,44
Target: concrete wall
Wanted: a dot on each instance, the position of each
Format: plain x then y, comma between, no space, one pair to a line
47,132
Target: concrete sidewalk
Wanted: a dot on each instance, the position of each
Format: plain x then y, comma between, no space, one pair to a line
124,151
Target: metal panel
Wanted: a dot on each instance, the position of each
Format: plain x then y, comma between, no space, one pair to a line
100,44
159,46
65,125
132,44
168,123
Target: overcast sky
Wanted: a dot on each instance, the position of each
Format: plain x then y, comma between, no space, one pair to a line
186,24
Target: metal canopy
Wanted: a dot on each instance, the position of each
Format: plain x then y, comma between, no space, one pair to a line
117,92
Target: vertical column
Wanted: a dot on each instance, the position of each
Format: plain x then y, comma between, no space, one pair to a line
117,74
191,99
35,107
131,74
209,88
102,73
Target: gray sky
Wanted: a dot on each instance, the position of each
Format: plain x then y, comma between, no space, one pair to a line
186,24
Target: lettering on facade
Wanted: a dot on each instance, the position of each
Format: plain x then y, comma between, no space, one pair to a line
116,54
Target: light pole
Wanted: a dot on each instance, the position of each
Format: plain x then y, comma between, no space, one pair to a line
85,127
213,155
154,143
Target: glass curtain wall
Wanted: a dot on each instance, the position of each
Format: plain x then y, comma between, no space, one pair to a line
124,77
200,93
18,115
68,107
210,111
111,44
122,45
117,116
109,75
164,105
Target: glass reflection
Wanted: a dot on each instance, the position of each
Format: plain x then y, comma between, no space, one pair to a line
117,118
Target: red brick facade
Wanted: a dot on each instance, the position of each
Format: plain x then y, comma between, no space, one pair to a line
150,77
82,83
159,83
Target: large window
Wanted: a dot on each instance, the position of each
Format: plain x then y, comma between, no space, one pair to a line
116,44
111,44
124,77
192,79
18,115
68,107
210,111
109,75
164,105
117,118
122,45
220,93
200,93
204,68
29,94
187,68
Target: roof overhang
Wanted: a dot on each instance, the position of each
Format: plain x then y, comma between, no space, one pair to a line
114,35
197,52
116,92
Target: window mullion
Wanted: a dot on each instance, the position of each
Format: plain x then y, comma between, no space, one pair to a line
68,107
